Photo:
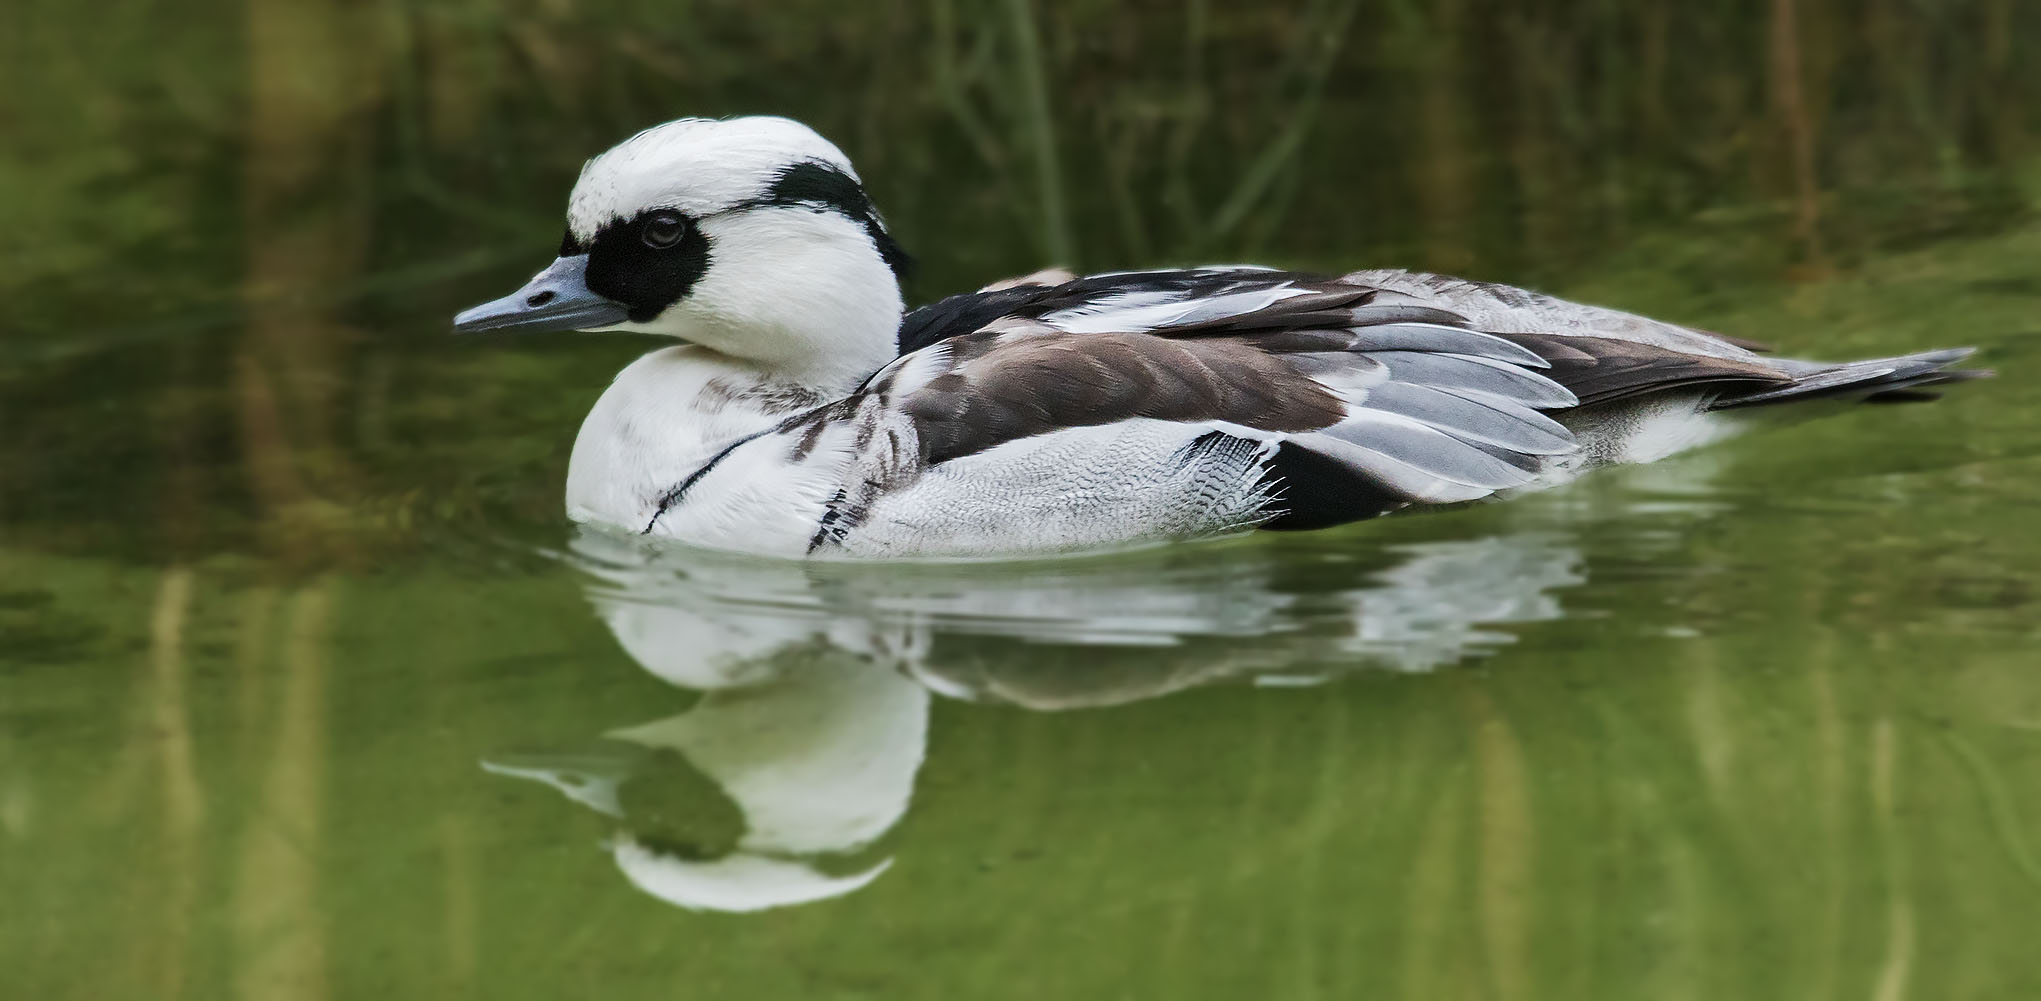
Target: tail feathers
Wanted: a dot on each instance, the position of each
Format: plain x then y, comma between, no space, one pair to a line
1880,380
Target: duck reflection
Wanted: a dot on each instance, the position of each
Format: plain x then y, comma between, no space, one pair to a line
781,781
765,792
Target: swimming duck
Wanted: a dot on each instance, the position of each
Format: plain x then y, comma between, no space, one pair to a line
806,413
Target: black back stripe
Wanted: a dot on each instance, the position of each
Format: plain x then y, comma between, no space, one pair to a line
971,311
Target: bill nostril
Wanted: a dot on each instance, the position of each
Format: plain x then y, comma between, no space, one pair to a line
540,299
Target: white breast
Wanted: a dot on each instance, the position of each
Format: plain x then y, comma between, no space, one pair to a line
664,416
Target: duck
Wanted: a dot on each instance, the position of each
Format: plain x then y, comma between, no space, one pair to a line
804,412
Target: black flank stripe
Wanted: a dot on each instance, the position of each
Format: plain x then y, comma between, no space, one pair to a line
674,496
1314,491
831,514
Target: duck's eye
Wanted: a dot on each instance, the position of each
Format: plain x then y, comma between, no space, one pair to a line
663,230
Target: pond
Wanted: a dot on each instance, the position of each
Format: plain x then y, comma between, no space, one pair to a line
309,689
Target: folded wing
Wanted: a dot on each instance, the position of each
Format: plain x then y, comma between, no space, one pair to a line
1371,397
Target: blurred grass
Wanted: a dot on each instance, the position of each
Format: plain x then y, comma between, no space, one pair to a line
224,194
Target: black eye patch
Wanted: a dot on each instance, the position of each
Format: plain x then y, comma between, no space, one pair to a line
647,262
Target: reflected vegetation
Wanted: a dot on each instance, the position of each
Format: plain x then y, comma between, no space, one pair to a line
280,561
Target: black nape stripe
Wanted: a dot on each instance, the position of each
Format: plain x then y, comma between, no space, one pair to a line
822,184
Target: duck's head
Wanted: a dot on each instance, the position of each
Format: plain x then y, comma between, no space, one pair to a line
749,236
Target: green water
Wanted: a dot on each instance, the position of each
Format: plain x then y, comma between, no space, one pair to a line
308,690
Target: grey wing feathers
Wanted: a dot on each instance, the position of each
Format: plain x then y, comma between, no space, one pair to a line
1476,377
1508,310
1484,419
1427,464
1402,396
1604,355
1365,392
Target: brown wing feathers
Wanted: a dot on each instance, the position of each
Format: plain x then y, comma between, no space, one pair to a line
1601,369
1008,385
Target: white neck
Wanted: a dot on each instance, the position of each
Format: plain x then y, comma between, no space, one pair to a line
799,294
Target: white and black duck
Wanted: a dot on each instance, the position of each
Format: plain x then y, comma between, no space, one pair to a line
806,413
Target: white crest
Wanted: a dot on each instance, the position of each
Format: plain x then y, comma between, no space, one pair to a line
700,166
